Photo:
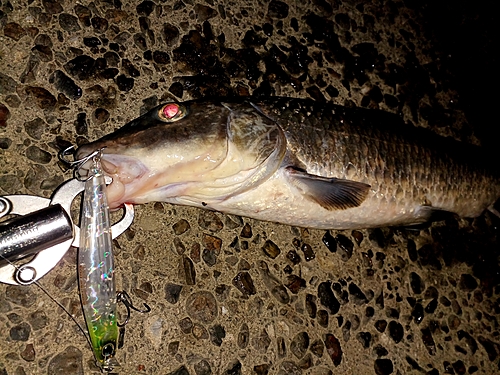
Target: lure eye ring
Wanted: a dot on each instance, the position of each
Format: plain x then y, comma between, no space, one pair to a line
172,112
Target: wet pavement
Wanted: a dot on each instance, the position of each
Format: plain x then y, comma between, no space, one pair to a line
232,295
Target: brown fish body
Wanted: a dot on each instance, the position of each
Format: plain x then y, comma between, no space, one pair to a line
297,162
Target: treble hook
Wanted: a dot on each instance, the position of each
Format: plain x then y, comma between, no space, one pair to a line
127,301
77,165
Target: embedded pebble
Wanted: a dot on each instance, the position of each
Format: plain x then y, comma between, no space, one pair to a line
210,221
428,341
101,115
418,313
202,368
330,242
293,257
68,361
20,332
36,128
489,346
14,30
273,284
181,227
7,84
396,331
300,344
317,348
217,334
187,270
202,306
311,307
333,349
180,371
271,249
295,283
80,124
4,142
467,282
66,85
262,341
308,252
346,246
212,243
383,366
186,325
20,295
38,319
243,336
172,292
4,115
246,231
81,67
322,318
41,97
277,9
327,298
357,296
28,353
244,283
364,338
416,283
68,22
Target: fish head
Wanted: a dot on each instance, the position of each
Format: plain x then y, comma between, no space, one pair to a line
193,151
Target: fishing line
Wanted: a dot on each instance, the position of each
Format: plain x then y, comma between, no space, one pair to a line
37,283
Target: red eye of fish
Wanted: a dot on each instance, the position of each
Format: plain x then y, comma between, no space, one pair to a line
170,110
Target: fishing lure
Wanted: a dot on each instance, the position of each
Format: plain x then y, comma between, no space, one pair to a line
96,268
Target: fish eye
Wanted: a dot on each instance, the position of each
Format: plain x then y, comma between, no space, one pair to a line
171,112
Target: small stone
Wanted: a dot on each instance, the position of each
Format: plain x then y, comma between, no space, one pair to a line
161,57
101,115
170,34
181,227
204,12
469,340
186,325
281,345
5,142
145,8
52,6
68,361
20,332
396,331
80,124
295,283
262,369
172,348
217,334
322,318
99,24
130,69
431,306
300,344
172,292
358,236
246,232
209,257
66,85
311,307
41,97
178,245
428,341
380,351
38,155
202,368
4,115
83,13
357,296
274,286
81,67
293,257
14,31
416,283
187,270
36,128
112,58
383,366
209,220
28,354
327,298
262,341
271,249
92,42
308,252
277,9
38,320
244,283
243,336
177,89
364,338
212,243
7,84
333,349
418,313
459,367
68,22
180,371
346,246
317,348
124,83
330,242
202,306
467,282
489,346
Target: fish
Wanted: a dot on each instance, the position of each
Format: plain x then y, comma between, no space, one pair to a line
295,161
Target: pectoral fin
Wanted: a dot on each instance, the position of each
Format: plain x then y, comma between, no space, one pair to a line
329,193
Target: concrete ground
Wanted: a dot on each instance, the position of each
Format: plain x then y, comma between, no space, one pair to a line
232,295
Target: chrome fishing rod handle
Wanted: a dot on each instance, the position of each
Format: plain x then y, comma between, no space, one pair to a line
41,227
